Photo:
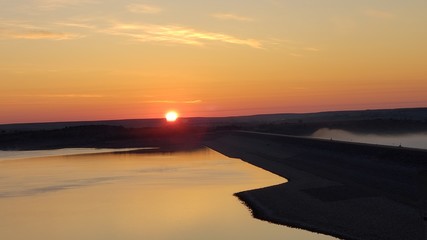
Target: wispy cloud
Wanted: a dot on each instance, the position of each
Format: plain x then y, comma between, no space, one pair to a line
143,8
171,101
378,14
76,25
69,95
230,16
311,49
176,35
44,34
19,30
296,55
55,4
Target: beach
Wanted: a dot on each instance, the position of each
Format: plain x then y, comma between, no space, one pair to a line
347,190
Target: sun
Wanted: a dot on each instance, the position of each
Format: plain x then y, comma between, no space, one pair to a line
171,116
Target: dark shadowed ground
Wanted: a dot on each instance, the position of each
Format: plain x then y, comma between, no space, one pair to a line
351,191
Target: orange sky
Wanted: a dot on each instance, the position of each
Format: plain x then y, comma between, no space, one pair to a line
64,60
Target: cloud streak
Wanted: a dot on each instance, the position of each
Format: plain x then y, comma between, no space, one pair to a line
17,30
76,25
311,49
71,95
230,16
43,34
143,8
297,55
173,34
378,14
55,4
171,101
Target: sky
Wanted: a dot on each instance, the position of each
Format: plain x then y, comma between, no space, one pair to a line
72,60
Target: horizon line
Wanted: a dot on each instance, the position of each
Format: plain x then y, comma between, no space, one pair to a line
195,117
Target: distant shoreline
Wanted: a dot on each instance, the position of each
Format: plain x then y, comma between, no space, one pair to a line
408,115
191,131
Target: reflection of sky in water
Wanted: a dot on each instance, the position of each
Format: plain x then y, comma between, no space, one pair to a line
134,196
415,140
11,155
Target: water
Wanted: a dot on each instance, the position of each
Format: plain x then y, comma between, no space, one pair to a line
411,140
11,155
187,195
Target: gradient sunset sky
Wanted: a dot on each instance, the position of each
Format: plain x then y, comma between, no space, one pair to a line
66,60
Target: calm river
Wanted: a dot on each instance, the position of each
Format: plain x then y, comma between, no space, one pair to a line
187,195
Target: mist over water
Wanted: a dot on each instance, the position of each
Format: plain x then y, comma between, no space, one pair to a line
410,140
183,195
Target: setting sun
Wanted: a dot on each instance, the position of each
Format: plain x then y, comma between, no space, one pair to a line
171,116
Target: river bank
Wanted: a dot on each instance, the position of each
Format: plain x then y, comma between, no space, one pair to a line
351,191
